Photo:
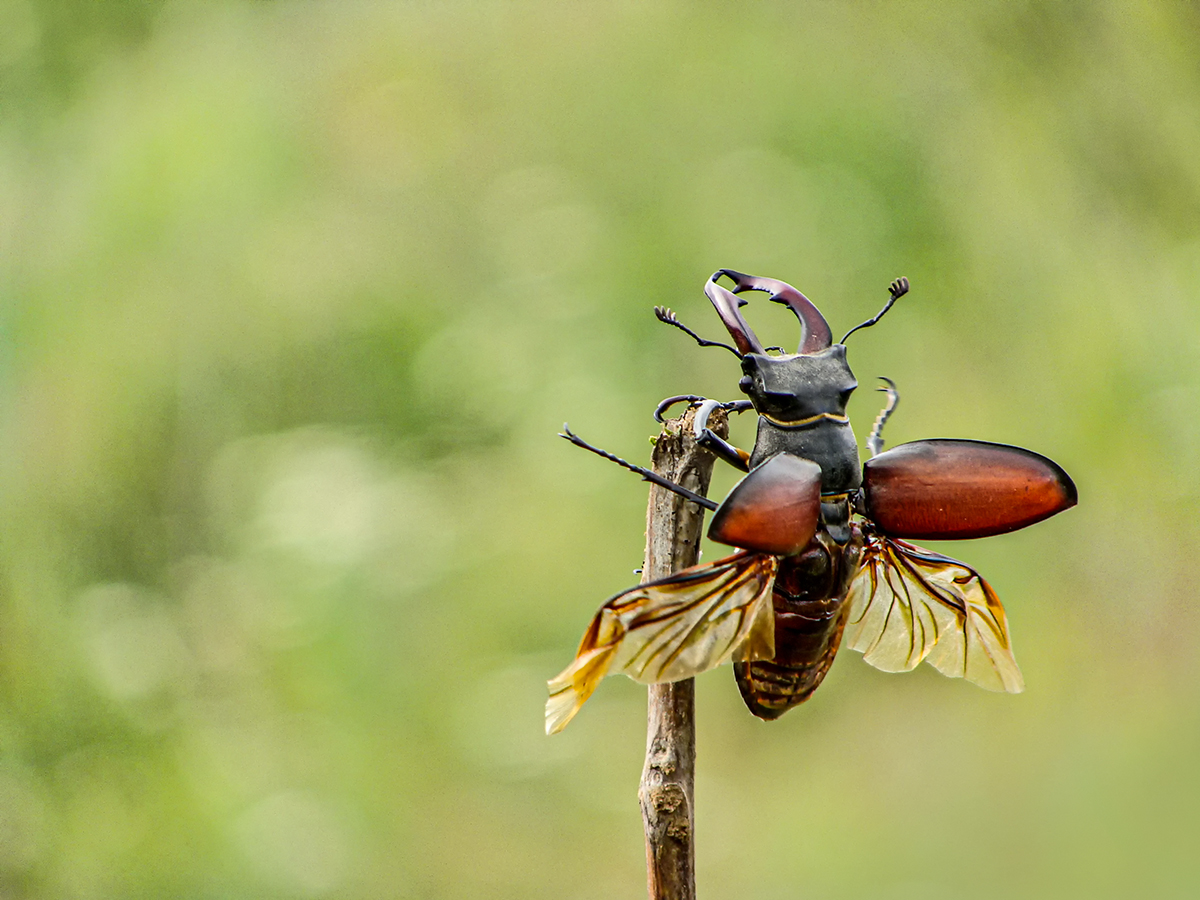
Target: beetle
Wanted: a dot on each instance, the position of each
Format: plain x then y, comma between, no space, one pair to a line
822,554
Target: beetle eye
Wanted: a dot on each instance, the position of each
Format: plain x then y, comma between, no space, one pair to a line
745,383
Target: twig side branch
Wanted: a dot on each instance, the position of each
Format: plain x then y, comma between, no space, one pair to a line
667,789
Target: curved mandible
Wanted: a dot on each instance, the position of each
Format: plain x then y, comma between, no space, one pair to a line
814,330
727,308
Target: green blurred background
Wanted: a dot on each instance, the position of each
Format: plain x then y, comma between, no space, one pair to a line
294,297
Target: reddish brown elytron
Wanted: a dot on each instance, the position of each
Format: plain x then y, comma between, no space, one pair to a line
820,552
776,512
944,490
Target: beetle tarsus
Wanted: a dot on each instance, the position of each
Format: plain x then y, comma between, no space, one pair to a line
875,441
646,474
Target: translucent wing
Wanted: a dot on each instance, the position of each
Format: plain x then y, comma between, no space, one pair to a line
671,629
908,604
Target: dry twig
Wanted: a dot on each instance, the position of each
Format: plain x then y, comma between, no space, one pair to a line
667,788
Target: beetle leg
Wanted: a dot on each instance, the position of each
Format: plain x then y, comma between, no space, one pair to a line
716,445
646,474
875,441
737,406
671,401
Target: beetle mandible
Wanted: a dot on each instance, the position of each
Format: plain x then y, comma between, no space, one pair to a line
822,555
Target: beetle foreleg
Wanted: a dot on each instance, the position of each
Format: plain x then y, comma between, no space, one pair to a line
715,444
875,441
671,401
646,474
737,406
705,436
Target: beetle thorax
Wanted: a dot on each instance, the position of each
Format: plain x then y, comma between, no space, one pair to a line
794,389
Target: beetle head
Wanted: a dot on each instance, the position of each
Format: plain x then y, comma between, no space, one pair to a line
791,389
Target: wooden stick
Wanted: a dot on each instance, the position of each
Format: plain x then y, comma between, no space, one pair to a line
668,778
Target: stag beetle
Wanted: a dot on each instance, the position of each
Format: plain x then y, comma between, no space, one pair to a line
822,555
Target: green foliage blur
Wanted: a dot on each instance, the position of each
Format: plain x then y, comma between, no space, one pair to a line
294,297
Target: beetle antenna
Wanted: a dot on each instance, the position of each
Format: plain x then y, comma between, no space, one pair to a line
875,441
668,316
896,289
646,474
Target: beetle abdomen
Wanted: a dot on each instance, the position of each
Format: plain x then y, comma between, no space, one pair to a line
948,489
805,645
809,603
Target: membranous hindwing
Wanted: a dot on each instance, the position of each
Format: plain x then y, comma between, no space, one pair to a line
909,605
671,629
